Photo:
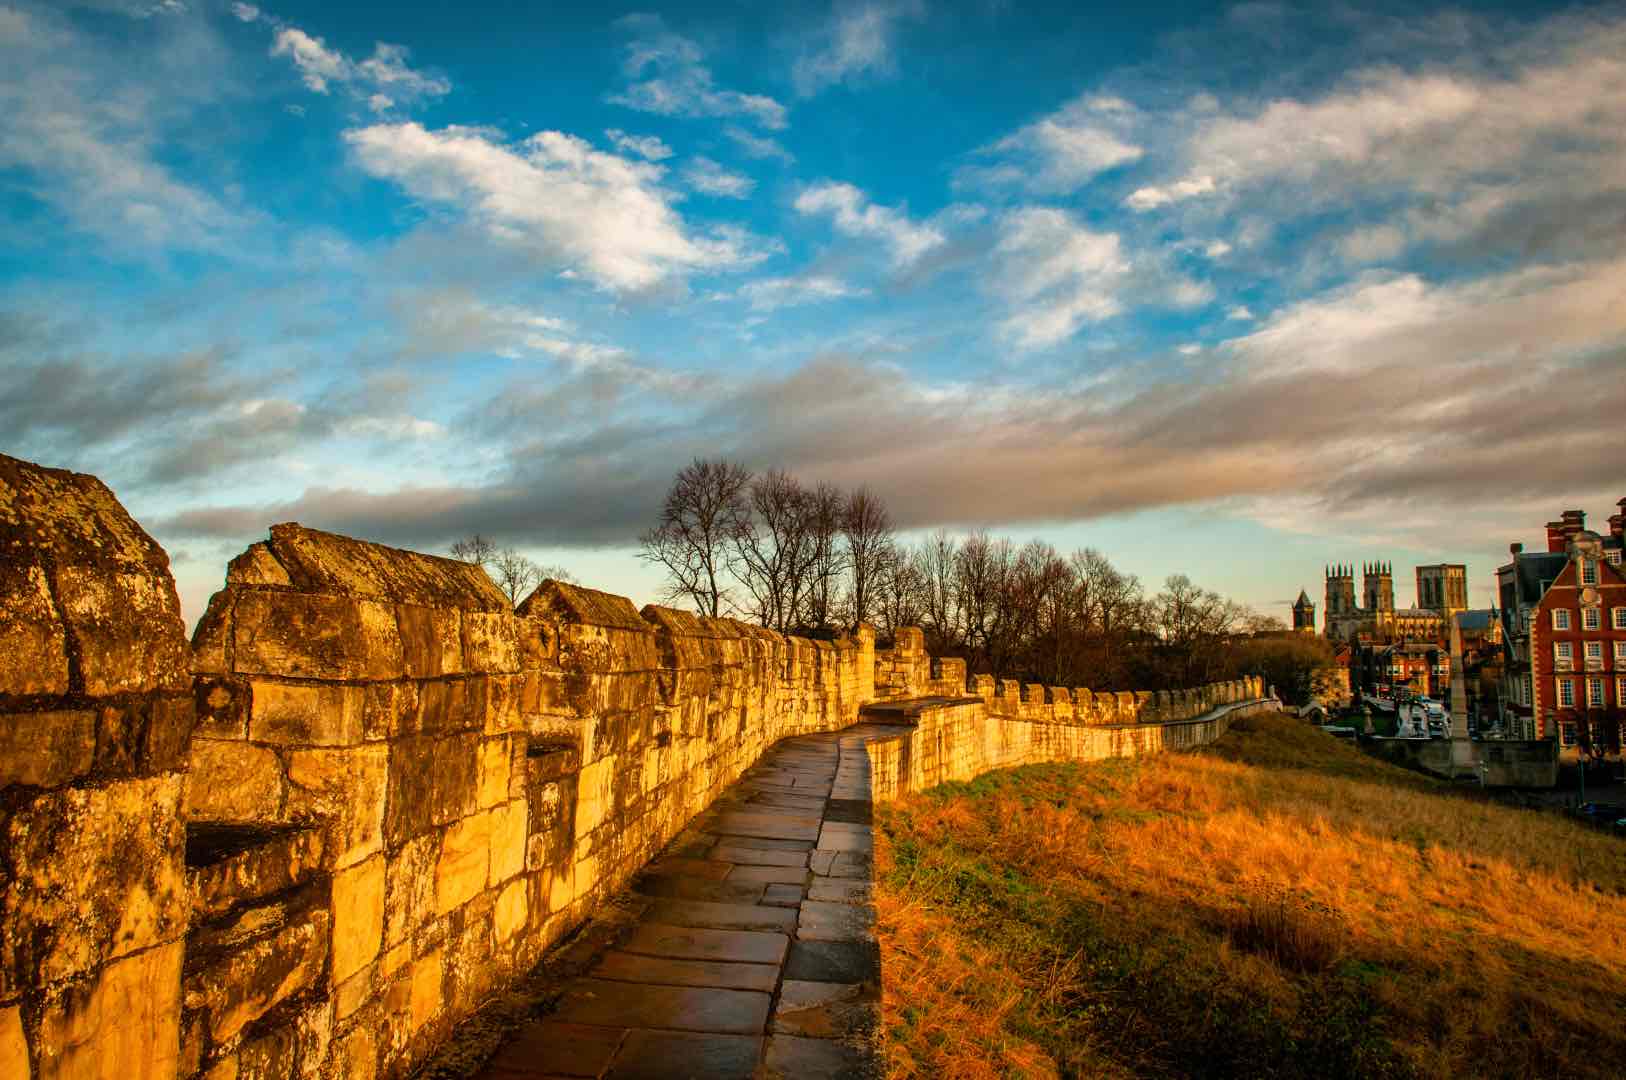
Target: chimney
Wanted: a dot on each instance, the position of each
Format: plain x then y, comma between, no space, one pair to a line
1617,525
1574,522
1555,536
1515,550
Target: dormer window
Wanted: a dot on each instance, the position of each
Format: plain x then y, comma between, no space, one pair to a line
1589,571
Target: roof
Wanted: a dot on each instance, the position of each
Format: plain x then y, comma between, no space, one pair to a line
1303,600
1482,619
1531,568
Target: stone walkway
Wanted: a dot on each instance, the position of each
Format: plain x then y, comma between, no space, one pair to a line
755,955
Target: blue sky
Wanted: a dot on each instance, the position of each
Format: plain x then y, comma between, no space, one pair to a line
1234,290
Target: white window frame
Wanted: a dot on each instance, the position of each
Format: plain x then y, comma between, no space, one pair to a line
1561,618
1589,571
1594,693
1591,619
1566,732
1620,691
1528,685
1620,653
1617,618
1564,653
1566,693
1594,650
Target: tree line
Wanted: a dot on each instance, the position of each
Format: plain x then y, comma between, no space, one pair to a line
811,558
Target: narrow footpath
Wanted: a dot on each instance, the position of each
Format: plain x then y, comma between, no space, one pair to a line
755,954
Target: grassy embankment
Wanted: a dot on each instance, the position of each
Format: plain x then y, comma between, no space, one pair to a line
1276,905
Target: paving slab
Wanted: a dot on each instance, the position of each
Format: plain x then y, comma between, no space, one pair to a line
700,868
841,890
552,1047
716,916
784,895
671,1055
820,1059
633,967
767,843
688,888
834,961
746,856
694,943
823,921
679,1008
762,825
782,875
827,1010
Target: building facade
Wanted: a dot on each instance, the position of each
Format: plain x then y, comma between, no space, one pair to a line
1344,619
1443,588
1304,613
1564,636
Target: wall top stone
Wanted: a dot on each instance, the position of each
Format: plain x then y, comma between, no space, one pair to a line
323,562
87,603
579,605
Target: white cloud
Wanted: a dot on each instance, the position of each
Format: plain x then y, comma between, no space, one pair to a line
383,80
1189,350
1057,275
709,178
855,215
1152,197
758,146
678,84
1376,243
648,147
1217,249
553,196
856,42
246,12
768,294
1239,313
1065,150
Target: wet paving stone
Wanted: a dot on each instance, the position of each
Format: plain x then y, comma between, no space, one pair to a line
821,921
820,1059
686,888
745,856
671,1055
631,967
827,1010
780,875
694,943
834,961
841,891
680,1008
555,1048
721,916
783,895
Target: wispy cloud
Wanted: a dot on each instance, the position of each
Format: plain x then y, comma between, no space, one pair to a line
853,214
648,147
384,80
1063,151
709,178
666,76
857,41
553,197
770,294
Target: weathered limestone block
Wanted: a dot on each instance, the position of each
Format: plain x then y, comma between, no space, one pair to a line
258,566
238,972
358,916
46,749
94,874
431,640
465,862
344,789
124,1023
493,642
432,781
314,636
319,561
510,914
226,868
508,836
305,714
106,583
234,781
409,888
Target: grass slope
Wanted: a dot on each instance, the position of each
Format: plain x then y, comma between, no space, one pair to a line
1277,905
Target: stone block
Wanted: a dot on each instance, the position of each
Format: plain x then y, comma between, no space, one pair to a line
220,705
595,794
234,781
93,874
409,888
492,641
125,1022
495,769
358,916
46,749
428,990
508,834
307,636
431,640
305,714
228,866
257,566
431,782
33,647
238,982
345,789
447,705
510,914
465,862
13,1044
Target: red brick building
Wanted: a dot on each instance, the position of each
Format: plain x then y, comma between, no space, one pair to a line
1564,629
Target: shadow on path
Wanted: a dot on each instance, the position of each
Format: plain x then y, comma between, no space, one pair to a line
754,954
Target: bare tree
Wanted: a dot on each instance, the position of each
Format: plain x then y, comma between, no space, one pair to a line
868,530
771,552
935,562
514,574
703,516
827,557
475,549
899,591
1192,624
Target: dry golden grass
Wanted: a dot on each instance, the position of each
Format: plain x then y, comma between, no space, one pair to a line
1279,904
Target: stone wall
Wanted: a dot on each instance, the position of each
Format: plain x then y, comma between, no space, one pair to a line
1011,725
95,709
369,793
